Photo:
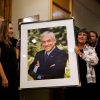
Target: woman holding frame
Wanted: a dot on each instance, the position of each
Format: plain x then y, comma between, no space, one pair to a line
87,59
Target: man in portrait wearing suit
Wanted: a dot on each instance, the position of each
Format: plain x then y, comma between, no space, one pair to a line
49,63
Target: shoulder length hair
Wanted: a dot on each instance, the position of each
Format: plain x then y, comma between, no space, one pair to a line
4,32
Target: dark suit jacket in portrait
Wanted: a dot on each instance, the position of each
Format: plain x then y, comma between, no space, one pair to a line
52,68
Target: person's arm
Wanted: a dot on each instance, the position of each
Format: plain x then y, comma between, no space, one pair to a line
18,49
33,67
77,51
3,76
17,53
57,67
90,55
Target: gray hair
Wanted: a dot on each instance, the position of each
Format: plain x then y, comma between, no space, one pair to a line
47,33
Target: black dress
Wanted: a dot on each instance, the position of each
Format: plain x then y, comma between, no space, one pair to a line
9,62
87,91
97,69
13,41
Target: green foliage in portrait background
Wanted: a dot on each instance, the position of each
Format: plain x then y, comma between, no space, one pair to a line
34,34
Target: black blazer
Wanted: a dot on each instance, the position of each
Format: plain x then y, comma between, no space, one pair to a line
53,68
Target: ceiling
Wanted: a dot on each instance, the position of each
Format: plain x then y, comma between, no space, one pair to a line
98,1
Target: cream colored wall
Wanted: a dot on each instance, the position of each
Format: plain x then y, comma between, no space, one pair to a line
25,8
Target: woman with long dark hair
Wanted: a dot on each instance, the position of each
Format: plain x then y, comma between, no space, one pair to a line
8,61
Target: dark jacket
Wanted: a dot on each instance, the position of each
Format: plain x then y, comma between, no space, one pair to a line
53,68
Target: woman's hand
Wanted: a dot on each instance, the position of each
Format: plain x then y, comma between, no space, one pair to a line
5,82
77,51
3,77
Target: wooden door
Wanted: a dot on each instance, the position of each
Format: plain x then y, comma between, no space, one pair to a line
5,9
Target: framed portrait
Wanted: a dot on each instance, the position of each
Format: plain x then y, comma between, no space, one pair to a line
31,46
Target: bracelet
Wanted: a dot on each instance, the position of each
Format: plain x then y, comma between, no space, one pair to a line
80,54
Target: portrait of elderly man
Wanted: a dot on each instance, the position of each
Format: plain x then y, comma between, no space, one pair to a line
50,62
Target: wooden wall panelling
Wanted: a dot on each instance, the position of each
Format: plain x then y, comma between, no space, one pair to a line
6,8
